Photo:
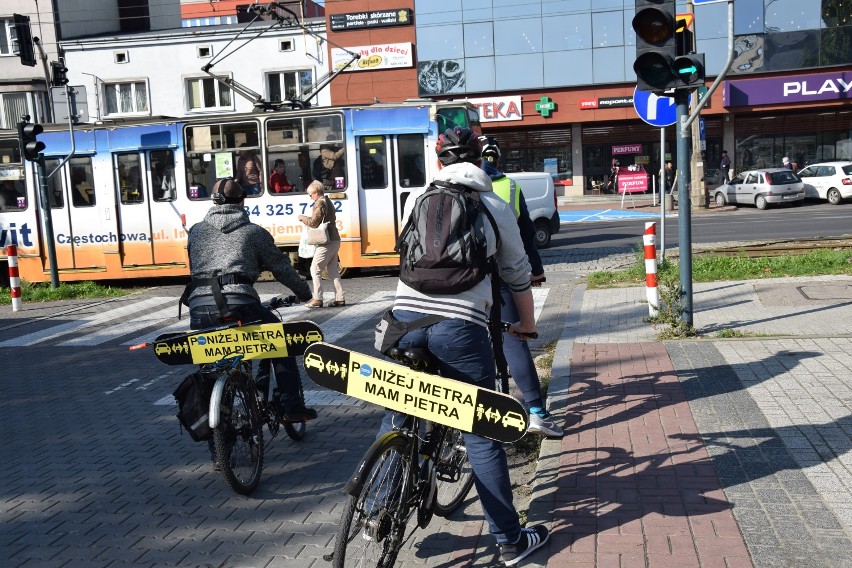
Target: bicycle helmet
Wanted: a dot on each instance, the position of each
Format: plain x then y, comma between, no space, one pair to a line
227,190
458,145
490,149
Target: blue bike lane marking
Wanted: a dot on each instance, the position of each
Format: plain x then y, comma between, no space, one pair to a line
589,215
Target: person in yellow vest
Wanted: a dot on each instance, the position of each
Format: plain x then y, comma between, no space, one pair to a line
517,351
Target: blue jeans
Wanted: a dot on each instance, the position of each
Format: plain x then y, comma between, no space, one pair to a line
517,352
464,353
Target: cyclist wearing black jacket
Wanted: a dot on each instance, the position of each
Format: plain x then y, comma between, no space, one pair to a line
228,246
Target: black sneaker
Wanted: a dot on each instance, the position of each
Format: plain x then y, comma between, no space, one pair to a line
531,539
299,414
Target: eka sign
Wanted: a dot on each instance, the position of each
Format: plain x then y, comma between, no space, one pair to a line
493,109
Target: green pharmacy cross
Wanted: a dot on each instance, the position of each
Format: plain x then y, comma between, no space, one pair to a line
545,106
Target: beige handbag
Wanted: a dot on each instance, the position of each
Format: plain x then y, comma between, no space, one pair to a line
318,235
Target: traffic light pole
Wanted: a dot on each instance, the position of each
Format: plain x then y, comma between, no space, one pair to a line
681,97
48,222
684,120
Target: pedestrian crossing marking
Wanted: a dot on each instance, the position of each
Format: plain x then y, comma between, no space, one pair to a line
82,324
98,329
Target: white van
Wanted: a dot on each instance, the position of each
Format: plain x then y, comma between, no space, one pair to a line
540,196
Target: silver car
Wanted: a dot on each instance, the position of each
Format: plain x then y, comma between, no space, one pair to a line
828,180
761,188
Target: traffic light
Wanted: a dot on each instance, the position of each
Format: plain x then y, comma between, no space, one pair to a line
24,38
688,66
654,24
30,146
58,70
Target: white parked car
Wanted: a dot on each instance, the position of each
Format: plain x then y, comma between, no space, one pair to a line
760,188
828,180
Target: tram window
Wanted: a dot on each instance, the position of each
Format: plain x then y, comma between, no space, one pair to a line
129,181
162,168
288,179
10,152
213,151
412,160
324,128
311,147
217,137
54,185
451,118
82,182
373,162
13,195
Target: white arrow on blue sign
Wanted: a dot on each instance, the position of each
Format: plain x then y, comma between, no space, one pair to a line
654,109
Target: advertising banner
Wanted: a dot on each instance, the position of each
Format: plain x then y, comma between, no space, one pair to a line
632,182
832,86
373,57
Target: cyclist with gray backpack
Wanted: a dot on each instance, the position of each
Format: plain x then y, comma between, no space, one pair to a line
227,253
448,249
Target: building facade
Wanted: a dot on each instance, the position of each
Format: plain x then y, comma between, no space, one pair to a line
23,89
149,62
555,83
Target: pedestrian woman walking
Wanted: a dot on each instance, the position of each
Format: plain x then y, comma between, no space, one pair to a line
325,256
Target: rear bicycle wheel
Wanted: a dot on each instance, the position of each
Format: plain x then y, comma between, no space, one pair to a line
296,430
372,527
239,436
455,474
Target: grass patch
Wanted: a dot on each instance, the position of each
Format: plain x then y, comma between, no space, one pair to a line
717,267
43,292
736,334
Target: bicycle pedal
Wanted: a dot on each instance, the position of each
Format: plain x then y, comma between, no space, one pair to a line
448,472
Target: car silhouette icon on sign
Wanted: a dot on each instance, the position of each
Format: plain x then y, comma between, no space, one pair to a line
313,336
315,361
514,420
162,349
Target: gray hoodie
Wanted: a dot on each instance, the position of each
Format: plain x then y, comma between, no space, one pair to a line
514,266
227,242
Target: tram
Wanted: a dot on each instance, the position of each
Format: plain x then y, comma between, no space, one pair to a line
122,204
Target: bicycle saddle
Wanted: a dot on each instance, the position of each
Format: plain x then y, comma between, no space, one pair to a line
418,358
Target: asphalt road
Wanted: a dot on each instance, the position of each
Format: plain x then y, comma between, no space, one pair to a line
743,224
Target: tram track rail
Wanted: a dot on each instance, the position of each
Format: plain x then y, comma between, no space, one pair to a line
781,247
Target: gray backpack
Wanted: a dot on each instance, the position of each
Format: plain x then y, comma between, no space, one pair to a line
442,248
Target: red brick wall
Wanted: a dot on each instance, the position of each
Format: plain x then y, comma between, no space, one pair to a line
361,87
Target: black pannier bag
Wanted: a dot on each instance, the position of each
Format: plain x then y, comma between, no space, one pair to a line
193,398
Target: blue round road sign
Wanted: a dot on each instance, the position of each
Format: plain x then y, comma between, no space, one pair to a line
654,109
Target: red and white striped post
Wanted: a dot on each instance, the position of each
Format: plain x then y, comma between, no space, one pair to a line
14,278
651,290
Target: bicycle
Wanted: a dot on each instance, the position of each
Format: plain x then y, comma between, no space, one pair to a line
240,404
401,475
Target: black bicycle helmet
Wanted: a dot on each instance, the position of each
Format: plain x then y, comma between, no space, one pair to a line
227,190
458,145
490,149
